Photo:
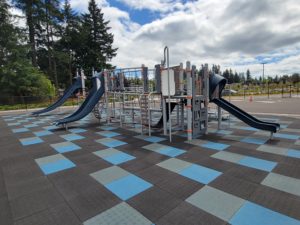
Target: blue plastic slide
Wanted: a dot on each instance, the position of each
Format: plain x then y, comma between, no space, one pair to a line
72,89
88,105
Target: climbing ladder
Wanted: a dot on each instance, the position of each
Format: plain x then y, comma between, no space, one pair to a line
145,113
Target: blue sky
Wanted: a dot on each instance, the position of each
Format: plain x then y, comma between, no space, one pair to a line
240,34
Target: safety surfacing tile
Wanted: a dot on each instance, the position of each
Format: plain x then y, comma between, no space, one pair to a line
120,214
251,213
216,202
72,137
43,133
65,147
108,134
31,141
114,156
53,164
110,142
283,183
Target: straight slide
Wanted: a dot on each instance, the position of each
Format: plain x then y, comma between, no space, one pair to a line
87,106
72,89
245,117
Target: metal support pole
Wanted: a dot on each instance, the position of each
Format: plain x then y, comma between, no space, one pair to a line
206,96
189,101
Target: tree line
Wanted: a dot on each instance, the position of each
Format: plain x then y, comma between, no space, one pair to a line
246,78
44,55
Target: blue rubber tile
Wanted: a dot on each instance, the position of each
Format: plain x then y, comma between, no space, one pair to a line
110,142
287,136
56,166
108,128
72,137
225,132
154,139
256,163
42,133
256,141
119,158
293,153
31,141
77,130
65,147
248,128
20,130
200,174
50,127
215,146
171,151
128,186
253,214
108,134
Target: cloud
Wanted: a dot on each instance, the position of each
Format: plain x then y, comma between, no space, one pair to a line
239,34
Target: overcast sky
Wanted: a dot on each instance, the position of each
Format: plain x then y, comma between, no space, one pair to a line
239,34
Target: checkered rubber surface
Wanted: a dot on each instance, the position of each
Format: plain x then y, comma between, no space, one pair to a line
103,174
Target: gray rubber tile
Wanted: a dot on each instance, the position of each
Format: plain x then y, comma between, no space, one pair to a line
278,201
40,218
92,202
174,165
283,183
34,202
110,174
161,203
235,186
188,214
228,156
215,202
120,214
273,149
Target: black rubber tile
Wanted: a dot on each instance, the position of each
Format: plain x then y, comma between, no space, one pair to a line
156,174
72,183
179,186
40,150
135,165
288,170
63,214
92,202
53,138
35,202
2,185
291,161
81,157
93,166
154,203
196,154
24,187
234,186
246,173
5,212
40,218
278,201
216,164
187,214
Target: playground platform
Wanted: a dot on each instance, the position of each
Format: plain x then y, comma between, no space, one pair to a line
107,175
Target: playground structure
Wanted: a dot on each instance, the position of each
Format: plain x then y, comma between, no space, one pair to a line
146,99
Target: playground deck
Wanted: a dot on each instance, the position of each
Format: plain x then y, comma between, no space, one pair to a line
94,174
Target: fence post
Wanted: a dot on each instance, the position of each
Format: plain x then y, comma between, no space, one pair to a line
290,90
268,90
282,91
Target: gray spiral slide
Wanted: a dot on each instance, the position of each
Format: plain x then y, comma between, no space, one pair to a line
88,105
72,89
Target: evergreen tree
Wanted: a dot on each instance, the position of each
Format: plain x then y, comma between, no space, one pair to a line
248,76
31,9
97,50
226,74
18,76
236,78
